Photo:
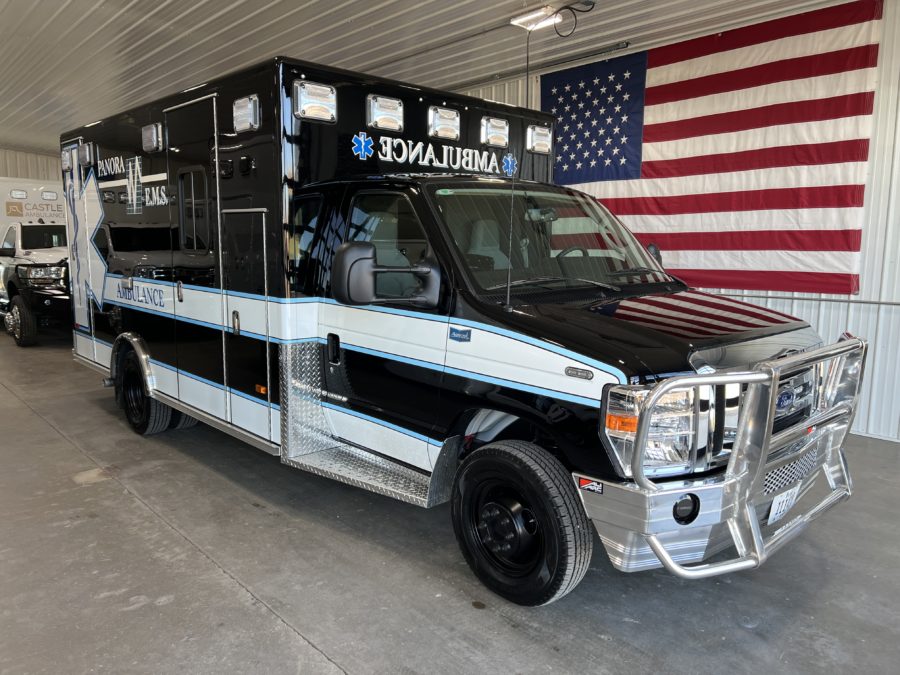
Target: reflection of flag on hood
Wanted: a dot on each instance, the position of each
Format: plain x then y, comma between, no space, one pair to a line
743,154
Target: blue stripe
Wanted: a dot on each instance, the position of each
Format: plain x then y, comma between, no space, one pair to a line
543,344
241,394
164,365
388,425
550,393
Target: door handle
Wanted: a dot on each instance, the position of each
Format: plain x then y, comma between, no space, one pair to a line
334,349
236,322
179,290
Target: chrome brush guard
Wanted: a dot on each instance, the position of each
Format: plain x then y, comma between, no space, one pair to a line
635,520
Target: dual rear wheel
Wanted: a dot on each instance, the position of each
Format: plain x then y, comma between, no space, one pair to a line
145,415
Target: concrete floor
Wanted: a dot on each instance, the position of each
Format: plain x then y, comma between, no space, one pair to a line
191,552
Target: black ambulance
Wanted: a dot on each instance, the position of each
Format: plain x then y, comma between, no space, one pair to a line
375,282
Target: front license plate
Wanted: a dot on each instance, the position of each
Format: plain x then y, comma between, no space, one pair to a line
783,503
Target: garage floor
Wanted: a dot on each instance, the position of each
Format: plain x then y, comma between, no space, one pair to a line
191,552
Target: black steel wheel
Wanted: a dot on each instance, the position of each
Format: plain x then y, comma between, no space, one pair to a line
21,322
146,415
520,523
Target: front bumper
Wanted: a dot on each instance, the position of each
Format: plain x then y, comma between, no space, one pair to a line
800,470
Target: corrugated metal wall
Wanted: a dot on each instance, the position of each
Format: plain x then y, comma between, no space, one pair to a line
875,313
18,164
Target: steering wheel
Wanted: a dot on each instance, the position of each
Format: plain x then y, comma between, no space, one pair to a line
567,251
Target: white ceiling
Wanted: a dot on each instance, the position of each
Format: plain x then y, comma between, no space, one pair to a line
69,62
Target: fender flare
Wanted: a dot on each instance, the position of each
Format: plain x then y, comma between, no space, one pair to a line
130,340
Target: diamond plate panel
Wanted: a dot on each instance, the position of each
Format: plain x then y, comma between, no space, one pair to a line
304,429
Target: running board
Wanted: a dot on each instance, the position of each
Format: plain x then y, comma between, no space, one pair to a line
372,472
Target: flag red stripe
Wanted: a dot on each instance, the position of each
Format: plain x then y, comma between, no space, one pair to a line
834,152
828,196
798,68
798,24
755,240
803,282
720,303
764,116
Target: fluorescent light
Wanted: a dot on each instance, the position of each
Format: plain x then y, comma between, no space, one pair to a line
539,18
92,124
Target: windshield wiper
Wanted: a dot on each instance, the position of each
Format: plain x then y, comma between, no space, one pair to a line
536,281
634,271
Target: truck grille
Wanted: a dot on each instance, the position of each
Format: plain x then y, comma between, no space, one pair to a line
790,473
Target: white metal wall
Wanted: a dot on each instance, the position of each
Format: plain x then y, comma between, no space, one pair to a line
18,164
875,313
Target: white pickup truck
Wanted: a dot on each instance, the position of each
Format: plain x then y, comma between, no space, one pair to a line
33,254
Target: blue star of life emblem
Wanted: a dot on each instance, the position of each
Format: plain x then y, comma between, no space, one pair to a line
363,145
509,164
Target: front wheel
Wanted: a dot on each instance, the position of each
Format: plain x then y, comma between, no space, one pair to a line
520,523
146,415
21,322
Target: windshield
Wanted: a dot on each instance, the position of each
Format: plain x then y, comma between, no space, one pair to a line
43,236
560,238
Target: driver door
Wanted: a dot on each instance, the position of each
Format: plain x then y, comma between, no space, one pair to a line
383,363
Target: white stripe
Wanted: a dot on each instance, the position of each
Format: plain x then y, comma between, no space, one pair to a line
111,183
149,178
153,178
810,44
802,133
371,435
846,173
807,89
735,221
755,261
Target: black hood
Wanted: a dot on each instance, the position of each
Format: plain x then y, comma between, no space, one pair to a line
649,335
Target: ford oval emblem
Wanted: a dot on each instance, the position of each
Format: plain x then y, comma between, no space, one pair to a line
785,400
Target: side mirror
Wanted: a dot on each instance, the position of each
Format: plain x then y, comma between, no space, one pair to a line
653,250
355,270
7,253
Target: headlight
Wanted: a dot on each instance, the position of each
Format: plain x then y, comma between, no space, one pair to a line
41,275
674,423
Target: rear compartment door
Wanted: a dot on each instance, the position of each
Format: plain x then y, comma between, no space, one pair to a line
199,307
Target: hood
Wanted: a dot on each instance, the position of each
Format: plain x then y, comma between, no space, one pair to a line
657,335
45,256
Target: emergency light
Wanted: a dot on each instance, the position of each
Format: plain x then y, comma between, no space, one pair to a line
384,113
151,137
494,132
86,154
245,113
315,101
538,139
443,123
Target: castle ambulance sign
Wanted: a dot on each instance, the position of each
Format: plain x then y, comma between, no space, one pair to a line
419,153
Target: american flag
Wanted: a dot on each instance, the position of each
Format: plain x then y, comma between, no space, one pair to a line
742,155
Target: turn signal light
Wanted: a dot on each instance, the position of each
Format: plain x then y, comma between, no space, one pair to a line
626,424
261,389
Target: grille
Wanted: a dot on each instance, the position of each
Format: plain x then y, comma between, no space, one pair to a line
790,473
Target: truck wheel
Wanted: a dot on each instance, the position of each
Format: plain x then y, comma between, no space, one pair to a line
520,524
181,421
21,322
146,415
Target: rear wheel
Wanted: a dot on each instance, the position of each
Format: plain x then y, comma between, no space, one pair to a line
181,421
146,415
520,523
21,322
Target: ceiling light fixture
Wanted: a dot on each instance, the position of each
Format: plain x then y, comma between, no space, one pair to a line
540,18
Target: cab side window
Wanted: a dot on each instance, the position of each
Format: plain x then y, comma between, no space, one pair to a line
388,221
194,210
301,234
9,241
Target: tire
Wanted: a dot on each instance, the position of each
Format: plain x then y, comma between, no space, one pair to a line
22,322
520,523
145,415
181,421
